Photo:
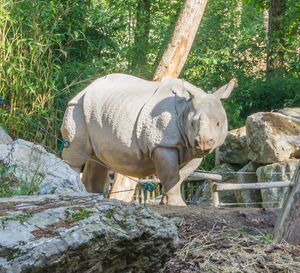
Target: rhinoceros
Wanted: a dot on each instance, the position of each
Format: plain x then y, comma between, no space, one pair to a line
140,128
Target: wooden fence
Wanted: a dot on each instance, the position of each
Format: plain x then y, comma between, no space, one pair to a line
191,185
188,188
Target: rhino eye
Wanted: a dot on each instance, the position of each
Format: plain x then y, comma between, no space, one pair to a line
192,123
218,123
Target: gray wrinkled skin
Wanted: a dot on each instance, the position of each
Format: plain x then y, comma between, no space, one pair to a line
139,128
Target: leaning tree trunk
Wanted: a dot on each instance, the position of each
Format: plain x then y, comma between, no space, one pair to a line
181,42
288,224
170,66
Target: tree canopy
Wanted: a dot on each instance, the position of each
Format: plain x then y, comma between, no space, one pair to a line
51,49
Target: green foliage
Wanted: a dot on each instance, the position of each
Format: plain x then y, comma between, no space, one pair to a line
77,214
11,186
51,49
232,43
208,162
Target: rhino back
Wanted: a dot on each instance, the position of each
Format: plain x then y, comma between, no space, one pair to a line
158,121
111,107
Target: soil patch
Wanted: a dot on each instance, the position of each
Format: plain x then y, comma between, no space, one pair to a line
228,240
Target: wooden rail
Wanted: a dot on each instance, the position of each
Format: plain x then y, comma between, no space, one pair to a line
195,177
218,187
250,186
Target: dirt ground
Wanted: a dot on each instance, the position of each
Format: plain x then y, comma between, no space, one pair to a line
228,240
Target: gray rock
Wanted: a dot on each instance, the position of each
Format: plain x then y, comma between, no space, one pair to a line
247,175
272,137
291,111
88,234
228,176
33,164
275,172
235,149
203,192
4,137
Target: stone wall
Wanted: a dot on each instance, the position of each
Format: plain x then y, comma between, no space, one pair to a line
266,149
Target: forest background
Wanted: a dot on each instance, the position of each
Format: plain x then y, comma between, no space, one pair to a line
52,49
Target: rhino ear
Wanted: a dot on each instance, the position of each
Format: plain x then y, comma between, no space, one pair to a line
225,91
182,102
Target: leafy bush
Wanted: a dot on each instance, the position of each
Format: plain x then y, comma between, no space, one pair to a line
51,49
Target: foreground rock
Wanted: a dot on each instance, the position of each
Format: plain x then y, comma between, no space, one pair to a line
4,137
31,163
272,137
87,234
274,197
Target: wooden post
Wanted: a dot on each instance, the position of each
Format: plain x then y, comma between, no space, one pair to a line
214,194
288,224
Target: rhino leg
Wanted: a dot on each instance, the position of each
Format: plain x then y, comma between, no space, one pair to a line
94,177
74,130
167,169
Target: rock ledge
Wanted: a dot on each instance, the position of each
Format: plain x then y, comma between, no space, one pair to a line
82,234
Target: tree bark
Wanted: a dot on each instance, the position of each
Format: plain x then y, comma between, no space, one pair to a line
123,188
181,42
288,224
275,34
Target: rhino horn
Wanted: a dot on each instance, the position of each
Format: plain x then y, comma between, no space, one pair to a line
225,91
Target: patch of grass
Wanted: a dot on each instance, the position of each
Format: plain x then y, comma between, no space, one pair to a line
22,218
11,253
12,186
77,214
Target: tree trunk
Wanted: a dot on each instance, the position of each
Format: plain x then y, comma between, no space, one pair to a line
181,42
288,224
123,188
170,65
275,35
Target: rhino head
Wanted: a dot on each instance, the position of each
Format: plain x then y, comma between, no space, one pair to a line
204,119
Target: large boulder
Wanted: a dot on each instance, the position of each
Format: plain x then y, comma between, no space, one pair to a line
4,137
235,149
31,163
274,197
272,137
291,111
82,234
248,175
